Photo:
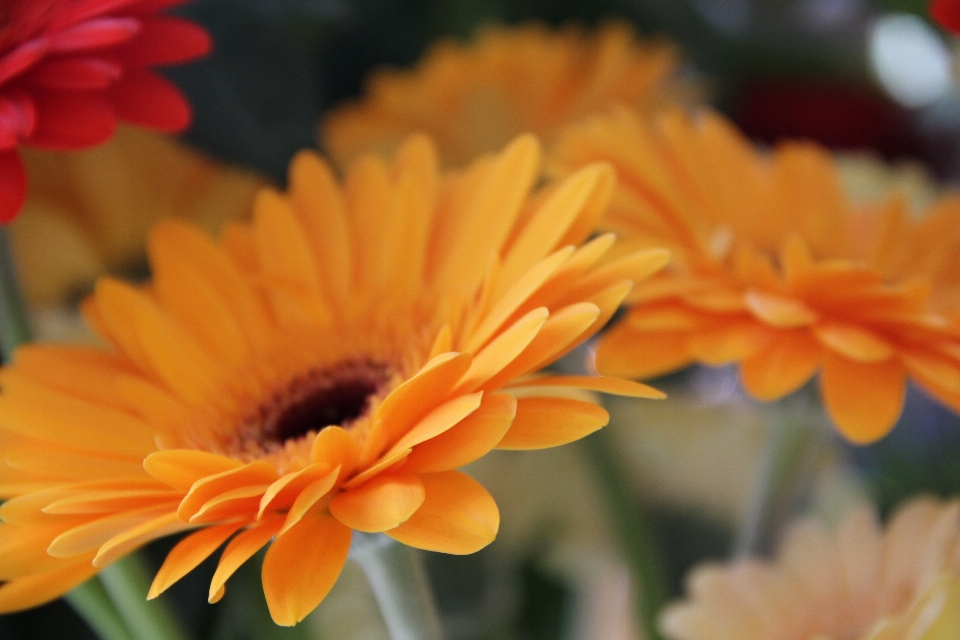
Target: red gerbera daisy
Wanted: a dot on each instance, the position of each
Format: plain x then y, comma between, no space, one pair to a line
69,69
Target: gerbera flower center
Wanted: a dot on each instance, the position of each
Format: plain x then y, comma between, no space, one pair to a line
323,397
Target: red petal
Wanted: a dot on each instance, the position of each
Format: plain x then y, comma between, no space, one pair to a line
165,40
13,185
149,100
18,117
81,10
96,33
947,13
72,119
76,73
15,62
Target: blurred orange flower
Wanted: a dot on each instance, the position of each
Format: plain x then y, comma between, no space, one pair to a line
475,97
859,582
776,269
325,368
88,211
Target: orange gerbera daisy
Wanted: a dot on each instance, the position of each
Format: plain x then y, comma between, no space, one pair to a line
325,368
859,583
776,269
89,211
473,98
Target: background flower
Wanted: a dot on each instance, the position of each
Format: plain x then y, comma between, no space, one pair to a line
861,582
88,211
69,69
475,97
776,270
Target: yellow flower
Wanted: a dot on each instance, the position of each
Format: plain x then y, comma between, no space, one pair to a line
860,582
88,212
776,269
325,368
473,98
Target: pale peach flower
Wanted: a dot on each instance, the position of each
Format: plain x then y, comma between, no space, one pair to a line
859,582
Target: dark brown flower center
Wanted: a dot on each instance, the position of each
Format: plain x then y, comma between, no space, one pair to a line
337,395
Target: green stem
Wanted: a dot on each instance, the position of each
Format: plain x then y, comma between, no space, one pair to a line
127,581
92,603
14,323
399,585
636,535
792,448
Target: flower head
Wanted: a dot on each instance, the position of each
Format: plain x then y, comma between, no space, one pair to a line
861,582
69,69
325,368
475,97
777,270
88,212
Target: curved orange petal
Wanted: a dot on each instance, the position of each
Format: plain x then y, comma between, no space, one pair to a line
241,549
180,468
601,384
38,589
543,422
779,311
187,554
302,565
783,367
468,440
729,341
205,489
379,504
411,400
439,420
623,352
458,516
864,400
856,343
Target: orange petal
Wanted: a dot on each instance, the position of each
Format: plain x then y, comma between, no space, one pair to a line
181,468
240,550
380,504
560,333
503,349
131,539
783,367
623,352
938,370
544,422
856,343
311,494
468,440
38,589
409,402
779,311
602,384
205,489
439,420
93,534
335,447
514,298
187,554
242,502
458,516
302,565
729,341
863,399
282,493
381,465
